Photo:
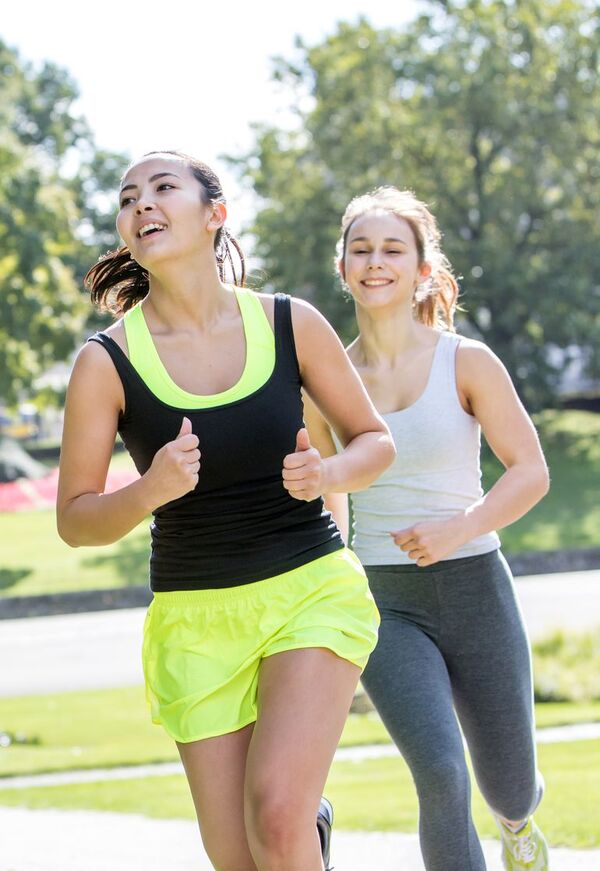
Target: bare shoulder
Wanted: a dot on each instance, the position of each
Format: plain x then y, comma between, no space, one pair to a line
307,319
94,375
481,378
475,359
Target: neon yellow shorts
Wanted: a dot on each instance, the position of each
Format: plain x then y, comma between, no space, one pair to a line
202,649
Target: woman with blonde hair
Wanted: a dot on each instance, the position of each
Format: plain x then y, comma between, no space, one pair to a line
452,642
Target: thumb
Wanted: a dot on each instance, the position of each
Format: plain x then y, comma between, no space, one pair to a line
186,427
302,440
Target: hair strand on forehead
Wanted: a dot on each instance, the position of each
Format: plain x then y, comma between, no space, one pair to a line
436,297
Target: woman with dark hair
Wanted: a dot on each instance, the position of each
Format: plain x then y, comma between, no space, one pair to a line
452,641
261,620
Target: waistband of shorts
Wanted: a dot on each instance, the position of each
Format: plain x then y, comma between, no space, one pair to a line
242,591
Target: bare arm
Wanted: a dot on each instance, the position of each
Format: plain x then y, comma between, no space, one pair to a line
337,391
85,514
485,386
322,440
511,435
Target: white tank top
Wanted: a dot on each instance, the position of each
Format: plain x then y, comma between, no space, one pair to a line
436,472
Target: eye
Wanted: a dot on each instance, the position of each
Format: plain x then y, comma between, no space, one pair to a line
360,251
165,186
125,201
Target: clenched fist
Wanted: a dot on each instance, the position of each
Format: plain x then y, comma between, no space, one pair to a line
429,541
304,471
175,467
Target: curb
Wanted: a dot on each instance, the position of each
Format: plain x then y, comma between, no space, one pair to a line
14,607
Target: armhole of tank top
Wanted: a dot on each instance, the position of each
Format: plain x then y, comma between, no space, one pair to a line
119,358
285,343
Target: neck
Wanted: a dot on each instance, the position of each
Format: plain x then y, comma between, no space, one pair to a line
186,295
385,335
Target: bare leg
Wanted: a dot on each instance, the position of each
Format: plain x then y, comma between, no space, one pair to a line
303,700
215,769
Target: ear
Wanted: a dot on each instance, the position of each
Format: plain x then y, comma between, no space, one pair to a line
341,268
424,271
217,217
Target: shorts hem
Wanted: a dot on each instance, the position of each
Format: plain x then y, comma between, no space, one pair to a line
359,663
204,736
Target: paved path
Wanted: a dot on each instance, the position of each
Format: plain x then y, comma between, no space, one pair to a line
85,841
102,649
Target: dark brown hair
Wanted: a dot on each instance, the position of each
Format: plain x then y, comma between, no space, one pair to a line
435,299
117,281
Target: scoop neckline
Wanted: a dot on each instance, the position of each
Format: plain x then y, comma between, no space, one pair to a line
180,392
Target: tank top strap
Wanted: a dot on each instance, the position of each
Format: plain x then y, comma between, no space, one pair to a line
443,370
120,361
285,345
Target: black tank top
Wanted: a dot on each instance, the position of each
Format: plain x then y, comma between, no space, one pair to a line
239,524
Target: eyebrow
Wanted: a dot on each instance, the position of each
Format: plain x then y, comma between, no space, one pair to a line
366,239
152,178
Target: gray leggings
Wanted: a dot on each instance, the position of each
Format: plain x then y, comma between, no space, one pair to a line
452,639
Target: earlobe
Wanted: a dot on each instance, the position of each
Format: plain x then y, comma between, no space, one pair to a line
341,269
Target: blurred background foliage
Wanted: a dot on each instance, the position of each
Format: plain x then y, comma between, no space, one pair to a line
56,215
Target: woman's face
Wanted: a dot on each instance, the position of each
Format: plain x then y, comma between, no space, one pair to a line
381,265
161,211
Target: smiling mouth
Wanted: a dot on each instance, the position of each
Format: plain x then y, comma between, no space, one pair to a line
150,230
376,282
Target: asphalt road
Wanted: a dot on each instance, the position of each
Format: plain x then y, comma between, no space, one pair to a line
102,649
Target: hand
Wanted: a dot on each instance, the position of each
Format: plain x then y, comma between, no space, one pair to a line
430,541
303,471
175,467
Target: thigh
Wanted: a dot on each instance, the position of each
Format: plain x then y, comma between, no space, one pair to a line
407,680
303,700
215,770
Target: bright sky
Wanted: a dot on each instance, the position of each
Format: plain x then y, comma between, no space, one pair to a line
186,75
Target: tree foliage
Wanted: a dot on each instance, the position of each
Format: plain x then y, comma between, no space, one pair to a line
487,109
52,219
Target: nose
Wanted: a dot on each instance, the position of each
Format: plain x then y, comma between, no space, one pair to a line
143,205
374,261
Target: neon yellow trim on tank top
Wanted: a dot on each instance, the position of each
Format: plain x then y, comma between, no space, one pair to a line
258,368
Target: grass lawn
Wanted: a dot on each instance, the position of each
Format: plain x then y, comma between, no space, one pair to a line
105,728
54,567
569,516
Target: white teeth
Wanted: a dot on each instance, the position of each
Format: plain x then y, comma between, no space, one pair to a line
376,282
147,227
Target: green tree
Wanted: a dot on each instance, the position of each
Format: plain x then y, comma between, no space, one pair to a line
486,109
53,221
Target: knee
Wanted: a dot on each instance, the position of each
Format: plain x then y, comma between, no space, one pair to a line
518,799
274,822
442,776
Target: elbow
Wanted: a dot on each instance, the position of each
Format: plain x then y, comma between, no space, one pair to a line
540,481
65,533
544,477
